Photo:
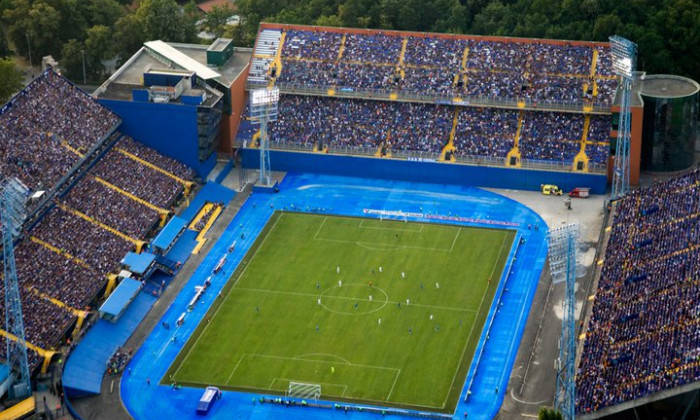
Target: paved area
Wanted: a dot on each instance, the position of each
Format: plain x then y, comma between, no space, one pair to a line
533,381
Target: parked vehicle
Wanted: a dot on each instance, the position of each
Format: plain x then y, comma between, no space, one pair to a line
549,189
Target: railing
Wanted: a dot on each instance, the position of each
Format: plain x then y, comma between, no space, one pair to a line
426,156
435,97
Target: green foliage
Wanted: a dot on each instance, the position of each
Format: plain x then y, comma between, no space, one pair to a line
99,47
215,21
547,413
72,59
11,80
4,49
163,20
666,30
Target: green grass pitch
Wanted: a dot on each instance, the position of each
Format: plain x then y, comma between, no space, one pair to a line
397,325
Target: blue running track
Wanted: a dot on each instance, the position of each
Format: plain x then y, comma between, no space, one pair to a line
488,376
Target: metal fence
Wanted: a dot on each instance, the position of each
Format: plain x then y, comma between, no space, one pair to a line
425,156
436,98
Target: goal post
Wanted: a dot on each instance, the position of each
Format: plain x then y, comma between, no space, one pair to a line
304,391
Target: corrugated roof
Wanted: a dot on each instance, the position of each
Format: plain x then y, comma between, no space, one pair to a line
181,60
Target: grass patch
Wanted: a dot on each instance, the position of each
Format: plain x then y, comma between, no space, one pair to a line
403,336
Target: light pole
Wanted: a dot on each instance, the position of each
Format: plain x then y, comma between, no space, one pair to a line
84,76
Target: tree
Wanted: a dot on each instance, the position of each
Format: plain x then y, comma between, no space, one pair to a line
11,80
72,59
103,12
129,37
162,19
98,48
4,50
34,28
215,21
547,413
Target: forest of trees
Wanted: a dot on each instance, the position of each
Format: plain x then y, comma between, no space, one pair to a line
667,31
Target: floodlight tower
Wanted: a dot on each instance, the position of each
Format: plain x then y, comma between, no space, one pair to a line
624,61
263,109
563,250
12,198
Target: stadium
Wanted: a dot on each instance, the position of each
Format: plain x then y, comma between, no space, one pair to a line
346,223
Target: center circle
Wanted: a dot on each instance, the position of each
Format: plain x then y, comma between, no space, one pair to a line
354,299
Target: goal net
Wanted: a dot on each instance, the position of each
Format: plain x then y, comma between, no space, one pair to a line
304,391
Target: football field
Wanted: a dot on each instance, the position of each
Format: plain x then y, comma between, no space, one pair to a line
382,312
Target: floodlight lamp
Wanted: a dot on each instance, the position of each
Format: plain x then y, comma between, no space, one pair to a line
265,96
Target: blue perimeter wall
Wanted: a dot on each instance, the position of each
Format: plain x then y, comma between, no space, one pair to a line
171,129
431,172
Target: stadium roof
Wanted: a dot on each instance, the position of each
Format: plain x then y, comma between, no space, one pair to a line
181,60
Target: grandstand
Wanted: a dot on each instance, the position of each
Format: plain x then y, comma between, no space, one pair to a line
500,102
642,339
97,208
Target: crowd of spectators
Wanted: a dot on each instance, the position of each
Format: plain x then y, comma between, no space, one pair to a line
48,112
118,361
552,136
598,141
156,158
536,71
485,132
316,45
347,122
112,208
43,128
138,179
418,127
643,334
44,322
56,276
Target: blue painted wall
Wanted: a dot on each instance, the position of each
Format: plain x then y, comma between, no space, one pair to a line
433,172
171,129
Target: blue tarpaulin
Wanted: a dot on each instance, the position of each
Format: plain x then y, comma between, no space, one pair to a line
169,234
87,362
138,263
487,380
120,298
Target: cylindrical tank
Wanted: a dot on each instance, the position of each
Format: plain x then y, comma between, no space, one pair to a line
670,122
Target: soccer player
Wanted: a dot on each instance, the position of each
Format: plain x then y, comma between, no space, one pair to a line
319,301
437,285
403,275
379,321
337,269
408,302
431,317
370,283
370,298
410,331
380,268
316,327
340,283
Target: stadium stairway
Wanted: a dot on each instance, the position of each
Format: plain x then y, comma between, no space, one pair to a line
450,146
137,242
263,55
341,50
46,354
61,252
163,213
581,159
513,157
186,184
